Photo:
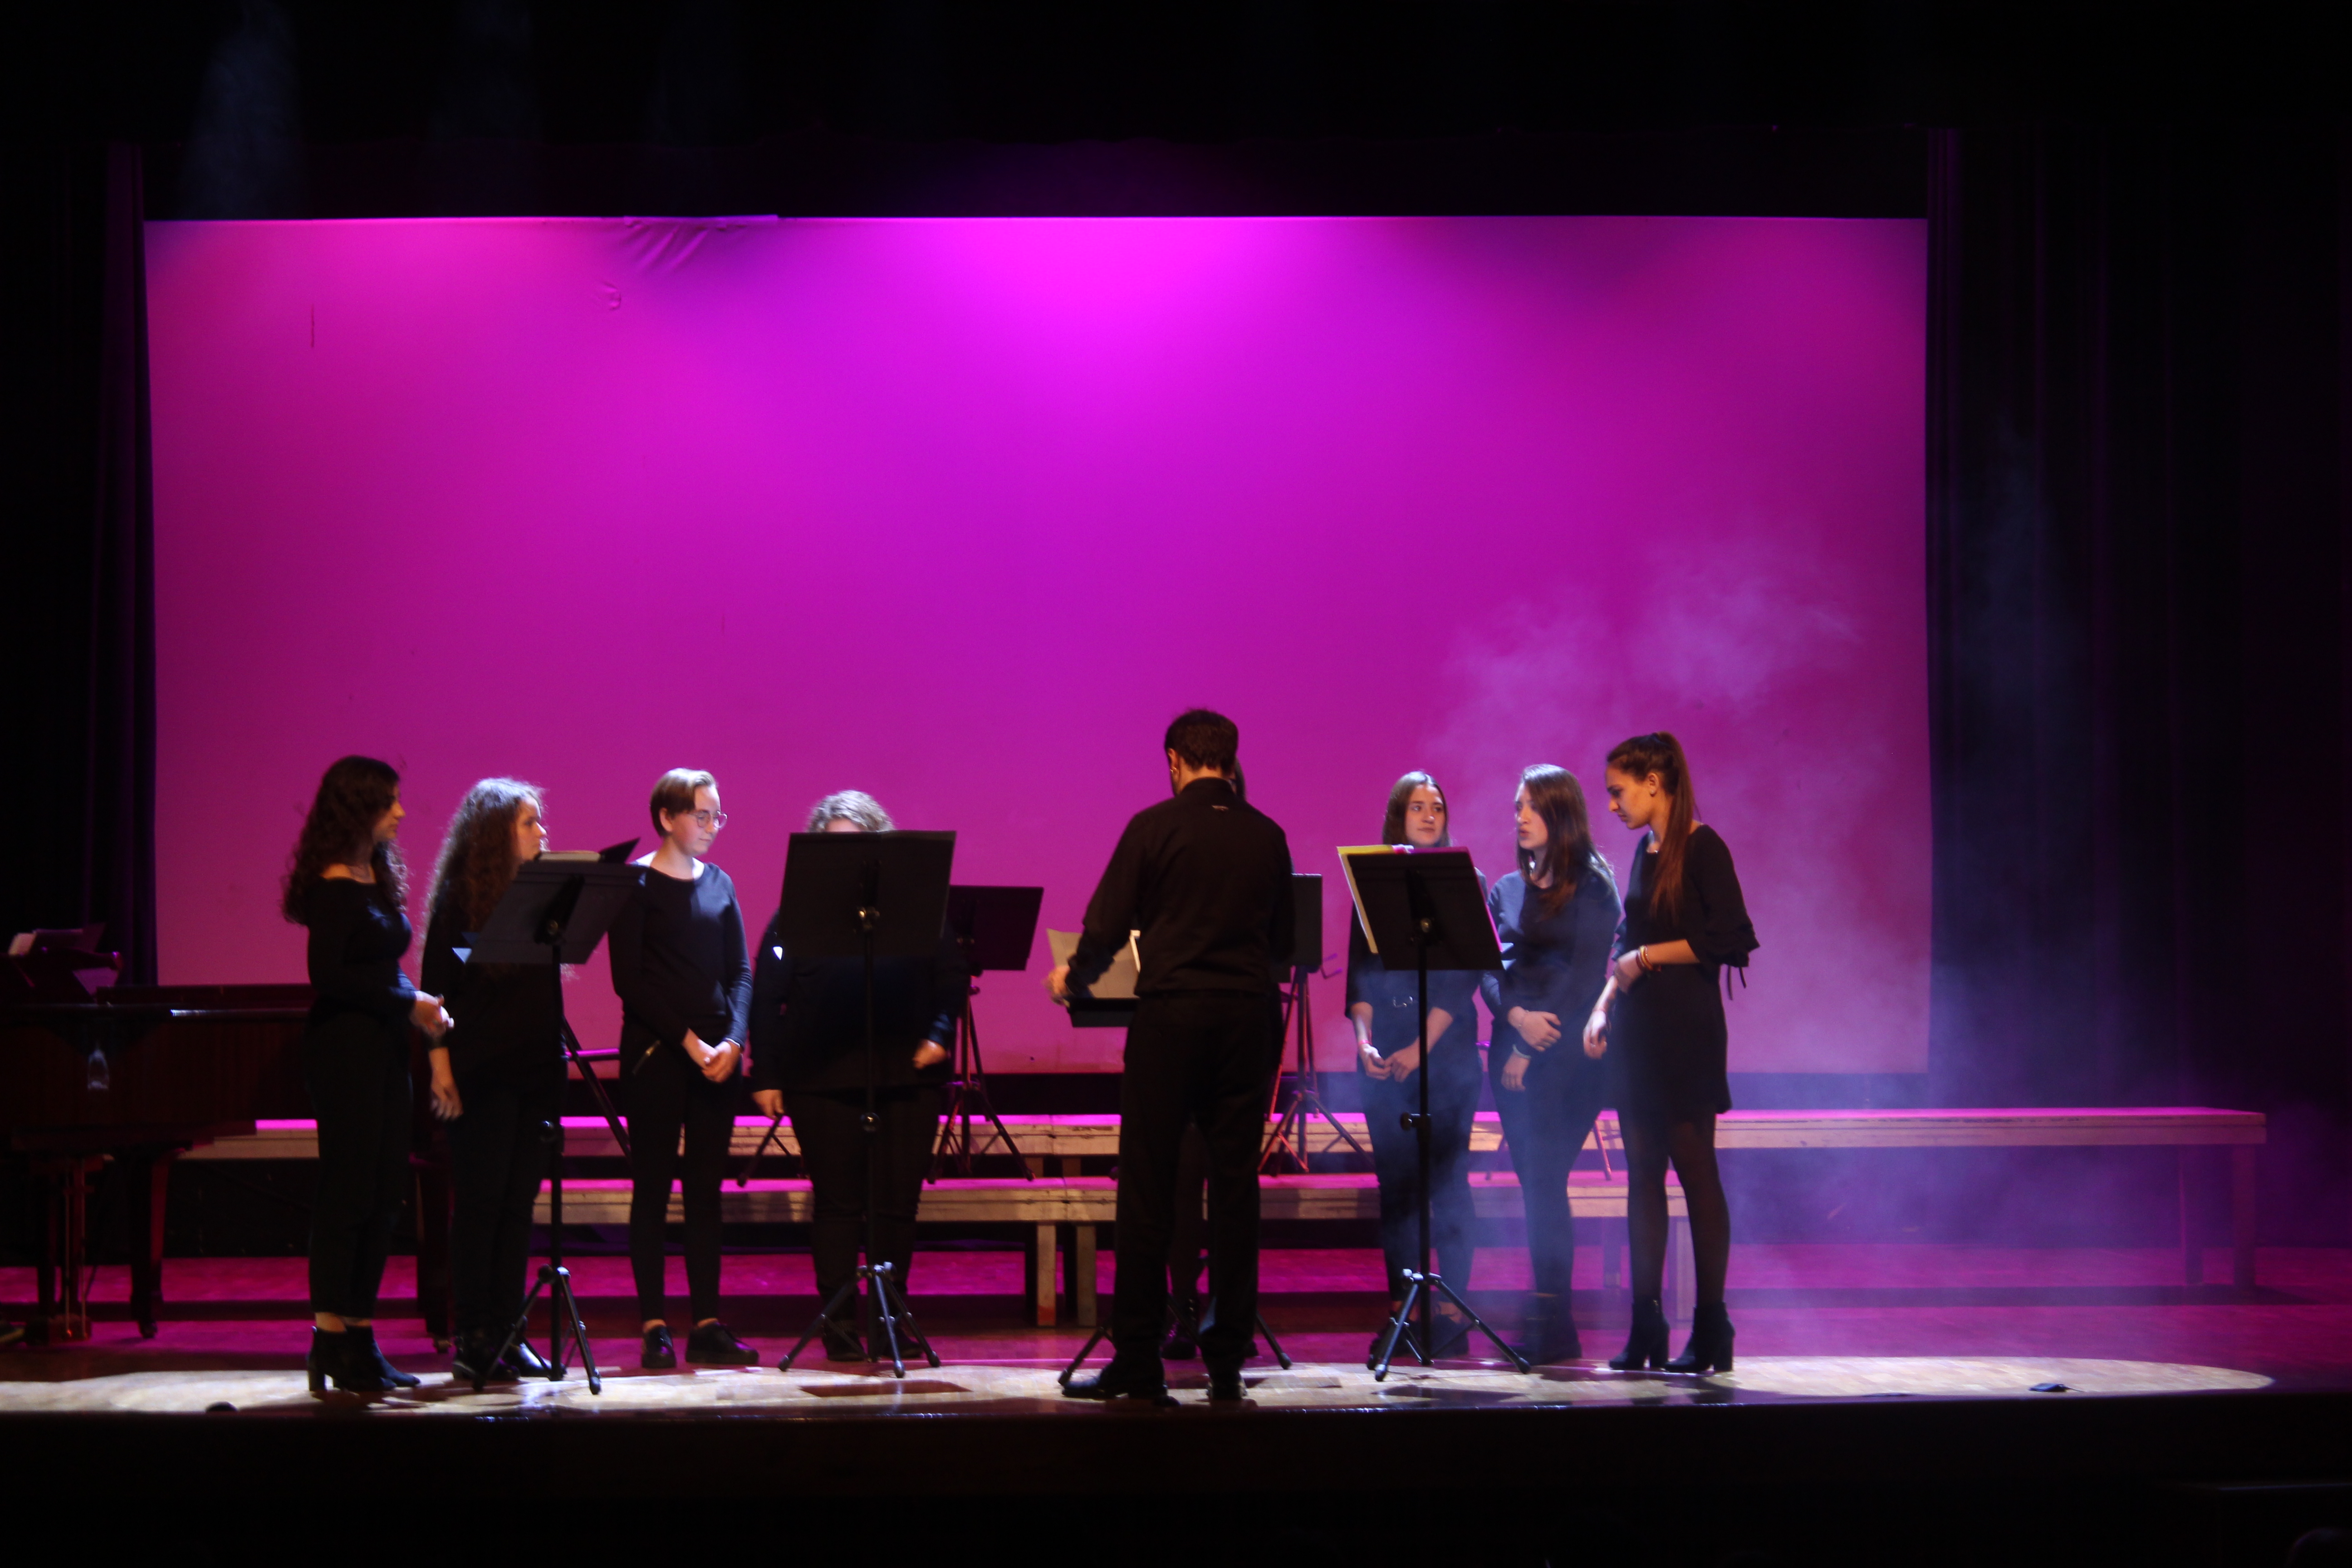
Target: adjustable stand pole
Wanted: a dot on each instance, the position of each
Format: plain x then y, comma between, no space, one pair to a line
1289,1134
966,1090
883,1294
563,1308
1425,1285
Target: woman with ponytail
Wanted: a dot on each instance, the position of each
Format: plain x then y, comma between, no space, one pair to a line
345,884
1554,916
498,1076
1662,1013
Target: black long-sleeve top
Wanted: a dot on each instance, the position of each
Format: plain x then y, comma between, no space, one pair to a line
1205,878
1395,996
1714,918
357,935
1552,963
679,962
503,1015
808,1016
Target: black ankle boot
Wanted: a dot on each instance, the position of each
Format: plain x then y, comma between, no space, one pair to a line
1550,1331
325,1360
366,1358
1710,1342
1646,1344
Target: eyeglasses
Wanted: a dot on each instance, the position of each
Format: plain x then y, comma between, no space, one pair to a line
713,820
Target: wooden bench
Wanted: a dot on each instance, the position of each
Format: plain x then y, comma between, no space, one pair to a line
1059,1209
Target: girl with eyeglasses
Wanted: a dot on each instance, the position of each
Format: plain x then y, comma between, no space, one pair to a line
685,982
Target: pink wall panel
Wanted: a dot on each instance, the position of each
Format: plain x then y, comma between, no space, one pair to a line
960,512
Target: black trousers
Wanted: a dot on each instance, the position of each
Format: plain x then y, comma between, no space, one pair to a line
1453,1087
833,1148
496,1159
356,1069
666,1096
1188,1244
1546,1124
1210,1061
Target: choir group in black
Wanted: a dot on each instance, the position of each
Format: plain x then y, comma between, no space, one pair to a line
1203,878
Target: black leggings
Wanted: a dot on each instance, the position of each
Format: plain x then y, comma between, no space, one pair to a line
832,1146
665,1095
496,1157
1691,1146
356,1069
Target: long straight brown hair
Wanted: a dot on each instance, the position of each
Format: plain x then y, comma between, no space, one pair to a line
1659,753
1568,851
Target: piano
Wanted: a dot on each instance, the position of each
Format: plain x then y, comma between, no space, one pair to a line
136,1075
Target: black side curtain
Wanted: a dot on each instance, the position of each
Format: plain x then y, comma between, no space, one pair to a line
80,597
2138,640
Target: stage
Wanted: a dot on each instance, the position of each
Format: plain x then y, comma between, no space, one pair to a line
1881,1391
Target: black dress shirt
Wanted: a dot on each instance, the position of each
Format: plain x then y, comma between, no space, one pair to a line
1205,878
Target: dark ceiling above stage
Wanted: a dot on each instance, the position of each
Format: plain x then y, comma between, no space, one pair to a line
722,72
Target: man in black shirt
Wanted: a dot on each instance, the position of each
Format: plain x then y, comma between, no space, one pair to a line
1205,879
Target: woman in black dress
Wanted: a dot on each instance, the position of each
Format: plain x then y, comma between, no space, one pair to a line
498,1075
346,884
808,1056
1554,916
1662,1014
1385,1008
685,985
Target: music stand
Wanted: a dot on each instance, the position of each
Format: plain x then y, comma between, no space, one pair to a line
867,896
1289,1133
994,928
555,912
1424,909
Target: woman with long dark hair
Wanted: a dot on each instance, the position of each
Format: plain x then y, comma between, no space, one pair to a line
1385,1008
1554,916
345,883
1661,1015
685,985
498,1075
808,1057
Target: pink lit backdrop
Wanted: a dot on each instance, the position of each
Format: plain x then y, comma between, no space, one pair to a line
962,511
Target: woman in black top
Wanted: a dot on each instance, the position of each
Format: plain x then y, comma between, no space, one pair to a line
1554,916
498,1075
808,1056
685,985
1662,1016
1384,1006
346,884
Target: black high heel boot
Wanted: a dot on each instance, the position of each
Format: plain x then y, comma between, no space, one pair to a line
1646,1344
325,1360
364,1366
1710,1342
1550,1331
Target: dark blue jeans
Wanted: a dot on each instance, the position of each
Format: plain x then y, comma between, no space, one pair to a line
1546,1123
1396,1159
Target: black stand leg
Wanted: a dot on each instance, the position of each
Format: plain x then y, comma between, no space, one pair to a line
967,1093
1288,1137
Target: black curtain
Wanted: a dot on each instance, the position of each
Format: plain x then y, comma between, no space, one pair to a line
79,700
2138,630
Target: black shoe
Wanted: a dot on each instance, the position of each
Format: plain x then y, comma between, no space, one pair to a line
660,1354
1404,1343
1710,1342
365,1357
1121,1379
713,1344
1182,1342
521,1361
1550,1331
1225,1385
476,1359
1646,1344
842,1344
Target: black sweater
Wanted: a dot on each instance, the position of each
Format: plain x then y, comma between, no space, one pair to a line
357,935
1551,963
1396,1010
502,1014
808,1016
679,962
1205,878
